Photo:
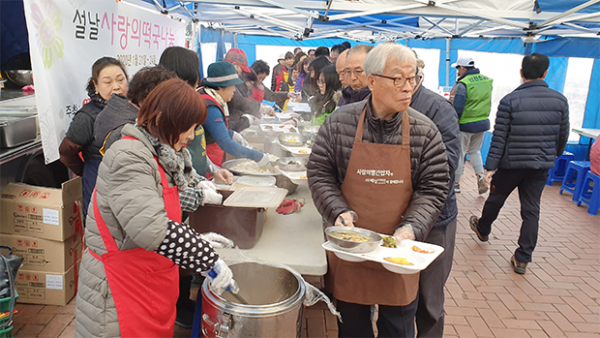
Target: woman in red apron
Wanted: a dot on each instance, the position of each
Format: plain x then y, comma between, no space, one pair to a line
219,87
381,166
128,285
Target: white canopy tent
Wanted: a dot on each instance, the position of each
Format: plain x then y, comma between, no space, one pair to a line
379,20
567,30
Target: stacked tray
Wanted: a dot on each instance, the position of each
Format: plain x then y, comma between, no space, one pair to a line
278,128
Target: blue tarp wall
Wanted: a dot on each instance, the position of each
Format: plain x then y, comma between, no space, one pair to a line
558,49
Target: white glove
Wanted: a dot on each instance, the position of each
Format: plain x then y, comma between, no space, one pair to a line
267,110
217,241
346,219
221,278
240,139
405,232
212,197
264,161
207,185
224,175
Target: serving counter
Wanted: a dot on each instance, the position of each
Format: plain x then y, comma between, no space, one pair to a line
293,240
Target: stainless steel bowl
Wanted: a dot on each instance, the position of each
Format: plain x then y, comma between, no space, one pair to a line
231,163
20,77
292,163
351,246
292,139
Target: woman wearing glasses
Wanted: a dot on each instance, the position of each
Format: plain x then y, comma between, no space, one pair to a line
325,102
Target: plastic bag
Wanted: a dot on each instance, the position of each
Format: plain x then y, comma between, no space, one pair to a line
9,265
312,296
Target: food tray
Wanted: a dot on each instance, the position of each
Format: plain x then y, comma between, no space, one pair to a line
297,177
286,116
299,151
404,249
299,107
256,197
278,128
296,151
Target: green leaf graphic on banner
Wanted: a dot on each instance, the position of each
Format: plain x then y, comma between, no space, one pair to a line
47,27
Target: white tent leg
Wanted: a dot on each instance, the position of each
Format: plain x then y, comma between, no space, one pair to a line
448,62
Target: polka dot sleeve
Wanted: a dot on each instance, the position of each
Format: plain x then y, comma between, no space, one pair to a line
184,247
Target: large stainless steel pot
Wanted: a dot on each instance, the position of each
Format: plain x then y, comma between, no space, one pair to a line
275,299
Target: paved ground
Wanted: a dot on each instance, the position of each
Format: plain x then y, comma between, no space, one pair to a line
558,297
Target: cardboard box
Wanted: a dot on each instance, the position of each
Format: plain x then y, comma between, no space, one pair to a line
43,254
48,288
41,212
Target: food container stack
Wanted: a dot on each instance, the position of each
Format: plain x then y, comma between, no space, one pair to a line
44,226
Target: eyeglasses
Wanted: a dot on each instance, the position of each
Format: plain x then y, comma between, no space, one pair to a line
356,72
320,83
400,81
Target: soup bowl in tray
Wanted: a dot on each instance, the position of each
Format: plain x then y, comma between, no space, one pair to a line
353,239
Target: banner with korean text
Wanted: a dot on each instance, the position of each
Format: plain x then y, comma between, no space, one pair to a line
67,36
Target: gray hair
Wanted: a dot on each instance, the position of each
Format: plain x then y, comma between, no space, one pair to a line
362,48
390,51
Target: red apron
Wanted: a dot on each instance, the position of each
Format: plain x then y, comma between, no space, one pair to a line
144,284
378,188
213,151
258,93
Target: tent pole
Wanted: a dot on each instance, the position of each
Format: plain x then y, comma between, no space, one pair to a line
448,62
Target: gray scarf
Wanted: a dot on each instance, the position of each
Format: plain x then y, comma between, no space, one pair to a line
177,164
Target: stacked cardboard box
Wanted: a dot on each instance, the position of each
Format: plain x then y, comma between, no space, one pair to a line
43,225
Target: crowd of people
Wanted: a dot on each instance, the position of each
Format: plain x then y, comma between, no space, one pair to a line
150,145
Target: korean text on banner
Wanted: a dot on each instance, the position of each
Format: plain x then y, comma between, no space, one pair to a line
67,37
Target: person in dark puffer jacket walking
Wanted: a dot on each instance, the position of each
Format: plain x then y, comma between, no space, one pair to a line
430,311
532,128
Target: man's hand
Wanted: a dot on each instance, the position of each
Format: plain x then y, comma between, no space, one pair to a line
224,175
294,95
403,233
346,219
488,177
267,110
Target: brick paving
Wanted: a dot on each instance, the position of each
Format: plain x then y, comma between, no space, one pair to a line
559,296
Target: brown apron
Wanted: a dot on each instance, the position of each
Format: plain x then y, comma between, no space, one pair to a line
378,188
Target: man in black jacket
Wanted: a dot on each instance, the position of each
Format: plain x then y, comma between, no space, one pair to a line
358,89
380,165
430,310
532,128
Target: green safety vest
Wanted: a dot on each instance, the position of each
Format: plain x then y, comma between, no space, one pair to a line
479,98
197,148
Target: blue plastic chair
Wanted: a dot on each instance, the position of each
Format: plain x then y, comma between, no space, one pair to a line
560,167
574,178
590,193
